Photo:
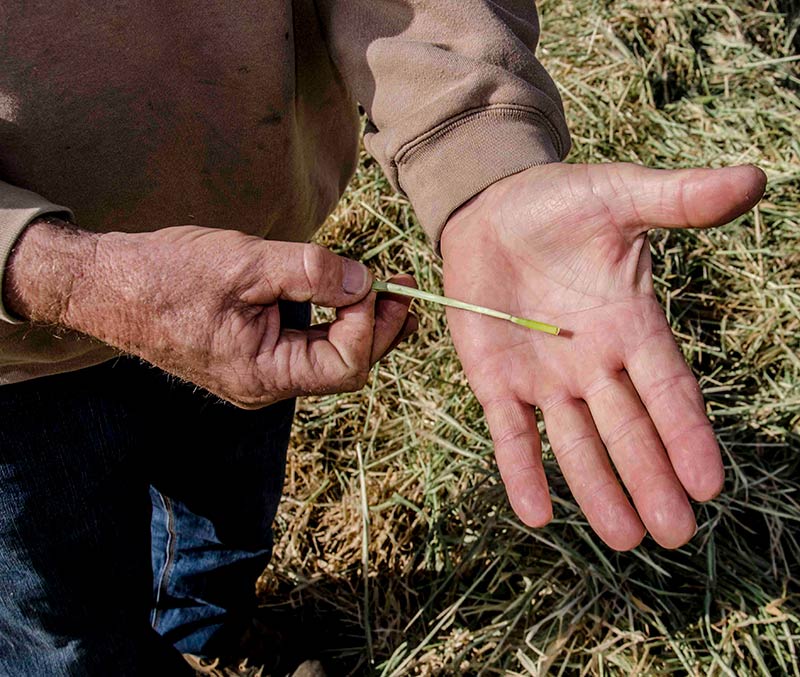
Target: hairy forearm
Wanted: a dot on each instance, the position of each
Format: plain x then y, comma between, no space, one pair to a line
51,262
114,287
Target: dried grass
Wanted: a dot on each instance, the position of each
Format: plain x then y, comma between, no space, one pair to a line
395,529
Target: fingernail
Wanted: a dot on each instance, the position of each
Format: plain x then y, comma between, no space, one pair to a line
355,277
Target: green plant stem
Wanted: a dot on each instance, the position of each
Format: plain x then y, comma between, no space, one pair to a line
453,303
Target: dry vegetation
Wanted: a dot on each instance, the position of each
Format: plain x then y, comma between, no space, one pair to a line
395,534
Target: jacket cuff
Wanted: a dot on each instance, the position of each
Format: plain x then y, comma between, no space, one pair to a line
455,161
18,208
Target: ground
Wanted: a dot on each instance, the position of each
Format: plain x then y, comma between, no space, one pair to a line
395,539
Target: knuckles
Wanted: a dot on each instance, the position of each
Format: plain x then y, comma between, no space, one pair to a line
355,378
316,267
348,379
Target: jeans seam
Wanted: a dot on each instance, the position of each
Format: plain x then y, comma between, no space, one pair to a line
163,575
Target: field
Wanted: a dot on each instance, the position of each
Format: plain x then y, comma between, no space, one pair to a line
395,540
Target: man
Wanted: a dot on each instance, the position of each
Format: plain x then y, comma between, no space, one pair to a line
243,119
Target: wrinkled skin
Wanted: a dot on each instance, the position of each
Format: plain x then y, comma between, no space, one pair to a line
202,303
567,244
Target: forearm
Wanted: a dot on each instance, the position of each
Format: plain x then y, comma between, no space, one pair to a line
115,287
50,262
62,276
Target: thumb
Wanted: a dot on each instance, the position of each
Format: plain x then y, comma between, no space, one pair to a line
683,198
309,272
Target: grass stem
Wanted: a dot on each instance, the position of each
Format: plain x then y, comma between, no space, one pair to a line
463,305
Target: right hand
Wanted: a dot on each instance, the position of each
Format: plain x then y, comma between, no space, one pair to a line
202,304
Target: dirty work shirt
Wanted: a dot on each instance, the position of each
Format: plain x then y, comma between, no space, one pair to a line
135,116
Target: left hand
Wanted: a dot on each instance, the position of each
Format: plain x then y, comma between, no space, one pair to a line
567,244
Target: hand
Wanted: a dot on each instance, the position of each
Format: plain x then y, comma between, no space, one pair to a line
567,244
202,304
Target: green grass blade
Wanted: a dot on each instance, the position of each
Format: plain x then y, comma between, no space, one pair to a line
538,326
393,288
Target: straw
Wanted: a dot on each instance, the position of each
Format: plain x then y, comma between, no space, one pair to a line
463,305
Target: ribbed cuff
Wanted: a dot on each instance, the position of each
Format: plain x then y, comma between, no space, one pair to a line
452,163
18,208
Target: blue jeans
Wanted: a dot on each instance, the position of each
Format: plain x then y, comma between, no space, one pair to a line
135,517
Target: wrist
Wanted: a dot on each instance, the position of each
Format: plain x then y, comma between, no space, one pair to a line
512,203
475,211
50,262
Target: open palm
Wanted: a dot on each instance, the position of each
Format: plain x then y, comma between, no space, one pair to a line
567,244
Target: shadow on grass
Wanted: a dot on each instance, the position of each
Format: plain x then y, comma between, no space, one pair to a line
561,598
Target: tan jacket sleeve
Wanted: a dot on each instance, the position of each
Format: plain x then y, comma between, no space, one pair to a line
455,96
18,208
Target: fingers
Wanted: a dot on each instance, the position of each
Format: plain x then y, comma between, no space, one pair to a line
518,451
674,402
643,198
639,457
307,272
410,326
392,321
337,357
324,359
584,462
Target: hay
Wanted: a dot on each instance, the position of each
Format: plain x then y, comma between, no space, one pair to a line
437,576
